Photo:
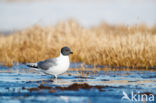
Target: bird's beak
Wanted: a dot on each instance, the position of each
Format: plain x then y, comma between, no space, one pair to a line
71,52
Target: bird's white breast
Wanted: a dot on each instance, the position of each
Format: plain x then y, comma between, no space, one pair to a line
62,65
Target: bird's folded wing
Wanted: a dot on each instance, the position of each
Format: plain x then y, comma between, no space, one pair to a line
45,65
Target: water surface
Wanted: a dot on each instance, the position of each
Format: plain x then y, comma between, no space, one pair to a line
22,84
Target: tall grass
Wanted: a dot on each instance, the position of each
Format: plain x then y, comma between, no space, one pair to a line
117,45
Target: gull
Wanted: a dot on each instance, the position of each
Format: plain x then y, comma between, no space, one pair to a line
54,66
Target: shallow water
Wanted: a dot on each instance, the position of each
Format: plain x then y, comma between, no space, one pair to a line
22,84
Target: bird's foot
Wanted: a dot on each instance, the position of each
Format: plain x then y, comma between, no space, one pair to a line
55,76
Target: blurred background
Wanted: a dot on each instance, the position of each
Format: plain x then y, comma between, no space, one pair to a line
18,14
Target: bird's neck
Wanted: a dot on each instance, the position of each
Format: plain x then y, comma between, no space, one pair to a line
64,56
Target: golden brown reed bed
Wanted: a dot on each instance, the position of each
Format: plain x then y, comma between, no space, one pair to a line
104,44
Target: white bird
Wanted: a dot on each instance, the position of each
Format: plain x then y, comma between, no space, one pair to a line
54,66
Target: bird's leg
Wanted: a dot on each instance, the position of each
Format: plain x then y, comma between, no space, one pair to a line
55,76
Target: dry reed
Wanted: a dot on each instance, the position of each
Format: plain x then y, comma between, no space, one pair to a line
117,45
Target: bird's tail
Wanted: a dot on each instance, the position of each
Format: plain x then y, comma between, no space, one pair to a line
33,65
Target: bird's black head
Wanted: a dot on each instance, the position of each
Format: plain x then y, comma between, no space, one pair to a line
66,51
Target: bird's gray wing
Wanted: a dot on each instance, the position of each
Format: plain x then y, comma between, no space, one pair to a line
45,65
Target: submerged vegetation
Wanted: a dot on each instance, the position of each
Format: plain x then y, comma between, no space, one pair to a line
116,45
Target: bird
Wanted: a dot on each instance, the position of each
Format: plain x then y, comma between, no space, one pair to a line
54,66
